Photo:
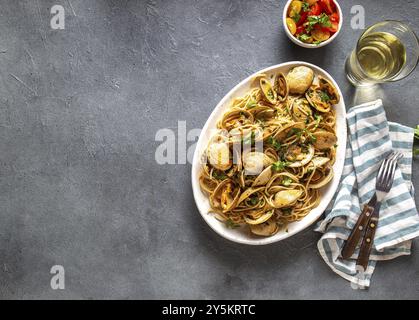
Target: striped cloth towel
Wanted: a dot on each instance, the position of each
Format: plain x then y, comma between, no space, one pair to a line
371,138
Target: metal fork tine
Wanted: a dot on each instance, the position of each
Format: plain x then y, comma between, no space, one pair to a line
387,172
381,171
392,171
391,155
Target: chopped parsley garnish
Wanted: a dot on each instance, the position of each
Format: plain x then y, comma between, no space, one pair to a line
296,17
279,165
322,19
231,224
324,96
254,200
304,37
219,176
275,144
286,181
318,119
306,6
286,210
250,104
293,131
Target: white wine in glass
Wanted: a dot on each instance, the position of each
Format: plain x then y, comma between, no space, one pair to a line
386,51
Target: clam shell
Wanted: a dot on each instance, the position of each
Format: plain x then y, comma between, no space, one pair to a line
268,91
324,139
218,155
313,97
266,216
327,86
254,162
281,87
267,228
263,177
299,79
327,178
308,156
286,198
300,109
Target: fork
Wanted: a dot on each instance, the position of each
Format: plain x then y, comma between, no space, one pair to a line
368,219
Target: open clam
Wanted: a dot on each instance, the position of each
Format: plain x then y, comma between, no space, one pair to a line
235,117
318,99
267,228
263,177
319,161
324,139
286,198
298,156
247,193
300,109
225,196
264,217
281,87
286,131
330,89
218,154
268,91
299,79
254,162
321,178
323,96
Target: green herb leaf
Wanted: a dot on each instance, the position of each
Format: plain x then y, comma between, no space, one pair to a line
279,165
324,96
254,200
275,144
296,131
231,224
306,6
304,37
322,19
219,176
286,210
296,17
250,104
286,181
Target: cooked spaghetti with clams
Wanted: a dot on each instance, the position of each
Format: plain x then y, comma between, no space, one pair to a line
273,150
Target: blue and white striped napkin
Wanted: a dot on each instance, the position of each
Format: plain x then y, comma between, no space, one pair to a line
371,138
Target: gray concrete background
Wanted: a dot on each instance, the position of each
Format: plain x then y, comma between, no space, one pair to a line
79,186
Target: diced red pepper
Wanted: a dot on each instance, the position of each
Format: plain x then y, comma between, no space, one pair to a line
328,6
334,17
315,10
300,30
303,18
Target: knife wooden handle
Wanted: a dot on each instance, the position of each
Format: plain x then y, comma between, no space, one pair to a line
357,231
368,240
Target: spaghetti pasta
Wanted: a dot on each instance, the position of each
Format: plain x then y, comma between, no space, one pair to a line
273,150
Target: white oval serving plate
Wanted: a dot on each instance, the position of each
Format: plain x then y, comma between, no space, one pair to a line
243,234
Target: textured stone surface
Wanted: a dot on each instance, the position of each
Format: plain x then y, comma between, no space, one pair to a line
79,186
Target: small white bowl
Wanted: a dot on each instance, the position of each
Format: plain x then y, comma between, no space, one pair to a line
309,45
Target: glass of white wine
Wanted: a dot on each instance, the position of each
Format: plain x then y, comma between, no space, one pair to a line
386,51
